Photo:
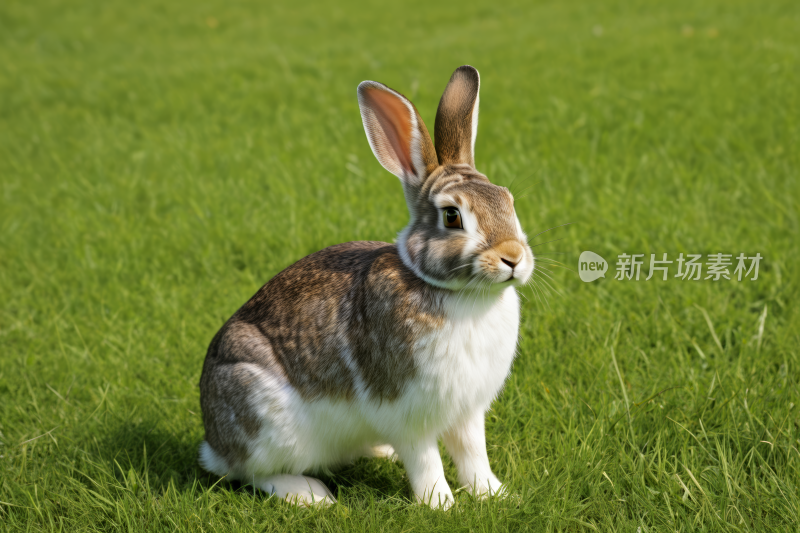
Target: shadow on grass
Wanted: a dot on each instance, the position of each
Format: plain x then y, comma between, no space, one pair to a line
161,457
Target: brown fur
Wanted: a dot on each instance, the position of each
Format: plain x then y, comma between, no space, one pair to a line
453,127
492,205
355,298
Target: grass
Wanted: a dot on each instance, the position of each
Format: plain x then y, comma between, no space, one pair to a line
160,162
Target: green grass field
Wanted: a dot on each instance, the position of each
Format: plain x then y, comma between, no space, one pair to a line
159,162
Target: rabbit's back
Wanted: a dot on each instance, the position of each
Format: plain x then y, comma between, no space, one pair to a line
339,324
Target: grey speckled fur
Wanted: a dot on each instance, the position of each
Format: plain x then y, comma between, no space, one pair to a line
356,298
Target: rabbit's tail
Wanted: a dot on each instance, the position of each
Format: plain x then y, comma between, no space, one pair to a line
212,461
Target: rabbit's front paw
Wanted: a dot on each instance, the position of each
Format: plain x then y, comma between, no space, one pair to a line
438,499
487,488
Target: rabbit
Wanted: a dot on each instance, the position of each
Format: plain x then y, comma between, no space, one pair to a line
370,348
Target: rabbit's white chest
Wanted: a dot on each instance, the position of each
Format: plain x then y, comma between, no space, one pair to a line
463,366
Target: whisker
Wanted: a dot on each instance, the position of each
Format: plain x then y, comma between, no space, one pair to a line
545,266
513,181
546,242
477,295
551,229
534,184
542,274
533,291
546,273
526,189
549,266
460,267
550,286
539,293
552,262
545,297
523,180
463,290
548,260
542,286
562,266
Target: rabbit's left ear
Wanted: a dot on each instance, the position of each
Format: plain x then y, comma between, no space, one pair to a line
457,118
396,133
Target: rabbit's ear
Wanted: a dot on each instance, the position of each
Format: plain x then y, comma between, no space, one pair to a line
396,133
457,118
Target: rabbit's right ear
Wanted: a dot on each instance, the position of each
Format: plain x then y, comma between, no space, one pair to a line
396,133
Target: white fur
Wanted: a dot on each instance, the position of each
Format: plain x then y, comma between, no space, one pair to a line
303,490
461,369
212,462
475,109
385,451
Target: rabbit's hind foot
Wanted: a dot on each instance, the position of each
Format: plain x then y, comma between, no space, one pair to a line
300,490
384,451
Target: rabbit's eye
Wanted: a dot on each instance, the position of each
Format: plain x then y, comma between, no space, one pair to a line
452,218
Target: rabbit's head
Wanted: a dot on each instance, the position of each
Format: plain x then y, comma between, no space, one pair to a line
463,230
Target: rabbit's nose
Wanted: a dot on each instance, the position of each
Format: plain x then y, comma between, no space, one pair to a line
511,253
510,263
